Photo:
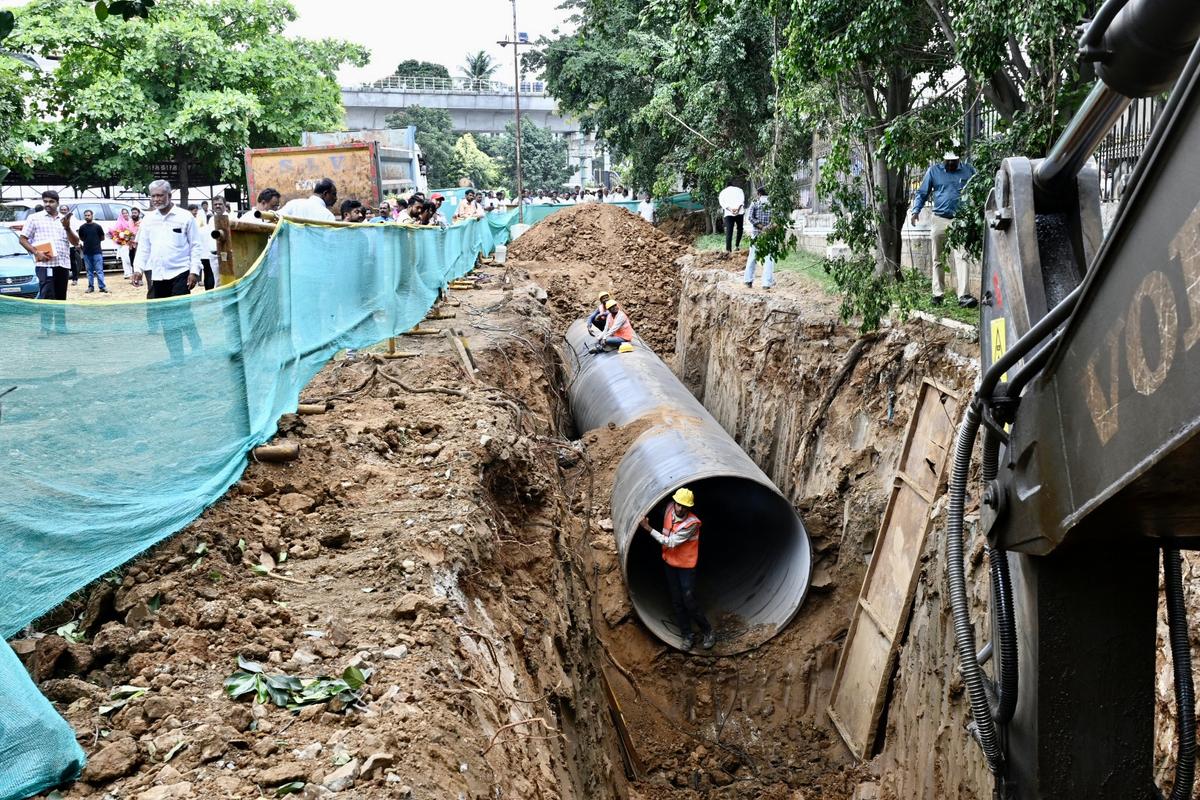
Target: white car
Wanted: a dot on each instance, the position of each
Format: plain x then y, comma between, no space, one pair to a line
13,212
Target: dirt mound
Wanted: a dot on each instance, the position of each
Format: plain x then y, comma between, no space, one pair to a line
684,226
599,234
581,251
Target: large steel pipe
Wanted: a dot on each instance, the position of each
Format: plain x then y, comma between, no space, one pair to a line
755,555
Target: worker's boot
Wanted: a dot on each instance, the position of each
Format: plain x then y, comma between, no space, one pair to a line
689,641
709,640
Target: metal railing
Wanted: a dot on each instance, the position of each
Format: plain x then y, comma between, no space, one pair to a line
1118,154
425,83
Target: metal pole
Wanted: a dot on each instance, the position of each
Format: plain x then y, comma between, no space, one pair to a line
517,96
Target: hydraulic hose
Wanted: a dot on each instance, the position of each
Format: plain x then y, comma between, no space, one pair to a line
1004,692
964,632
1181,658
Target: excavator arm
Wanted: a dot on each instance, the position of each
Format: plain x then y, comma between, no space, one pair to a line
1089,410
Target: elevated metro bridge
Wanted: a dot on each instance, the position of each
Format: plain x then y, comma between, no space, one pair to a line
475,106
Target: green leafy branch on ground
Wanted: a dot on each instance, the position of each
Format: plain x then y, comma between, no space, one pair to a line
287,691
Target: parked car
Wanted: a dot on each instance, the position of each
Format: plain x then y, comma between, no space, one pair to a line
14,212
18,277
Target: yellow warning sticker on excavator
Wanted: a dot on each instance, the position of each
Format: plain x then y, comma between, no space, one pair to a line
999,343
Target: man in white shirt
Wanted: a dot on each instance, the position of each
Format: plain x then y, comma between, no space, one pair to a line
315,207
646,209
168,253
268,200
212,275
169,246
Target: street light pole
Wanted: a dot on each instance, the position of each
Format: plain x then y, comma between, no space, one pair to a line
517,98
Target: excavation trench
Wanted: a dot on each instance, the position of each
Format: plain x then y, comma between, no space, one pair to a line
490,573
757,559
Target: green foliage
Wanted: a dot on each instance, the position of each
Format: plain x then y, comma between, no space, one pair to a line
411,68
286,691
479,66
194,84
889,80
543,157
435,135
18,127
676,91
468,161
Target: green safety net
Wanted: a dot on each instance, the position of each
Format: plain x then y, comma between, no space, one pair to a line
123,421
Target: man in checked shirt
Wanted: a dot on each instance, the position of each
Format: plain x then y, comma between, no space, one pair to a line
53,266
48,237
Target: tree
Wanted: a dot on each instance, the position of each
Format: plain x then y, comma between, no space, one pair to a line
543,156
17,127
192,86
677,95
411,68
435,135
127,9
469,162
479,66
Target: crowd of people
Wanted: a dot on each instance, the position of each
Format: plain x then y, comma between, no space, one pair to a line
63,251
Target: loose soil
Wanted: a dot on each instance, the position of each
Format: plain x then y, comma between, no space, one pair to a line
584,250
453,537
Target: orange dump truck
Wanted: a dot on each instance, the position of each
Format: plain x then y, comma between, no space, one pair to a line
294,171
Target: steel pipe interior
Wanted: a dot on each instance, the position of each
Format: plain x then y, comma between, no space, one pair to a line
755,556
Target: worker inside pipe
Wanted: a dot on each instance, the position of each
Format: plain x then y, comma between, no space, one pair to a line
680,540
616,333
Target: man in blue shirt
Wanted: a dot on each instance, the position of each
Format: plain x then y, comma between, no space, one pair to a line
945,181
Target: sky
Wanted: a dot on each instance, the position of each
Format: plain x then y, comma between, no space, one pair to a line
442,32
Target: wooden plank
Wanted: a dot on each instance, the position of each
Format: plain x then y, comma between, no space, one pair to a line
868,658
875,616
915,485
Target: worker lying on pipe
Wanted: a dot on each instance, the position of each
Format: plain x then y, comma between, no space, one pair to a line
617,329
680,540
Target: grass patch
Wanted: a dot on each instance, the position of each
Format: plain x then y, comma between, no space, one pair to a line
802,262
812,268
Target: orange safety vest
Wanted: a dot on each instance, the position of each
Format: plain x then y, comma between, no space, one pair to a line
686,554
626,330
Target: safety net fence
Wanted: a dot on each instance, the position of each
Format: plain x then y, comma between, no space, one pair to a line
121,422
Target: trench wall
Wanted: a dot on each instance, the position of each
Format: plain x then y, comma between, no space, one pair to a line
823,412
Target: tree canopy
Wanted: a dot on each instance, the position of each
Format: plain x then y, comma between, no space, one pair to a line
675,96
543,157
737,91
194,84
412,68
435,135
470,163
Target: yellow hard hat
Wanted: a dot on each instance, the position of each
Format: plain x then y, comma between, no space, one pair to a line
603,295
684,497
610,303
625,348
